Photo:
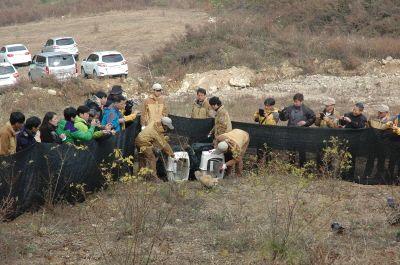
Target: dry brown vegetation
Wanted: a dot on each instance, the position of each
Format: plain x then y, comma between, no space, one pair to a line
265,32
23,11
278,214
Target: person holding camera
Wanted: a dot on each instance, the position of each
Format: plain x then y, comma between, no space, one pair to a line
329,117
298,115
267,115
354,119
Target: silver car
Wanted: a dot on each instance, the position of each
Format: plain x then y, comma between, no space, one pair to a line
62,44
58,64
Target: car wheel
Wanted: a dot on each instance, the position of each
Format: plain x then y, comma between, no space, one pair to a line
83,73
30,77
95,76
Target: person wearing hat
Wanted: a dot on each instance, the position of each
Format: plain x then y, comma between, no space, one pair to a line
151,137
329,117
354,119
222,123
233,145
267,115
114,95
154,107
201,108
383,120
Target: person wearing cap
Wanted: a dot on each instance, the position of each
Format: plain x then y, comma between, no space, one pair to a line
151,137
201,108
383,119
154,107
329,117
267,115
354,119
233,145
222,123
115,93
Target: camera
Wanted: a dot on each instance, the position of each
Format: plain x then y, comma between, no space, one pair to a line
130,105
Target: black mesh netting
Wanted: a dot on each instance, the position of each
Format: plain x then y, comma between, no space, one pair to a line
46,171
27,177
375,153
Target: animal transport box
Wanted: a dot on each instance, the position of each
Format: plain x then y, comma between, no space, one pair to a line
211,163
178,168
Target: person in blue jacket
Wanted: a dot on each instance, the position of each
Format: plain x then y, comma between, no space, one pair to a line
113,114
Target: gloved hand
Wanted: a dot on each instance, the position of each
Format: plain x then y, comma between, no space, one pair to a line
223,167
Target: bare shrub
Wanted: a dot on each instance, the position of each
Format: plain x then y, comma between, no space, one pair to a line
336,159
135,216
287,235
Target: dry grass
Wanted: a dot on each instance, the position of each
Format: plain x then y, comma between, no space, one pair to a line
133,33
23,11
228,225
278,31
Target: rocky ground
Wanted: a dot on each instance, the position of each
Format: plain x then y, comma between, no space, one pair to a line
373,83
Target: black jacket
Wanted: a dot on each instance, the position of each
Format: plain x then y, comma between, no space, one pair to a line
308,115
25,138
357,122
48,135
94,107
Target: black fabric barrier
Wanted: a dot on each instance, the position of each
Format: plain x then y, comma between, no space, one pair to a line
376,154
28,176
46,171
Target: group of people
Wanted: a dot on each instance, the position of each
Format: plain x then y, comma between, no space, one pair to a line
106,114
102,115
300,115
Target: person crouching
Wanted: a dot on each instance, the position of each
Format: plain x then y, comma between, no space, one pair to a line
233,145
149,139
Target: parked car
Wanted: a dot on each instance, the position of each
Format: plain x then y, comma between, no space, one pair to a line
8,74
58,64
105,63
62,44
16,54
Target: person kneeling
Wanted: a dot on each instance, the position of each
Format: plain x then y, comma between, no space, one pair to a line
150,138
233,145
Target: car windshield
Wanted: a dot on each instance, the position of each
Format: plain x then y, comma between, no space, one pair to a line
61,60
5,70
67,41
16,48
112,58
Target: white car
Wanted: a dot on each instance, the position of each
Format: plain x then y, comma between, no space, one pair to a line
106,63
8,75
60,65
62,44
16,54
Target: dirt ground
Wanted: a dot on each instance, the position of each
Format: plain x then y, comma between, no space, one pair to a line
133,33
227,225
231,224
